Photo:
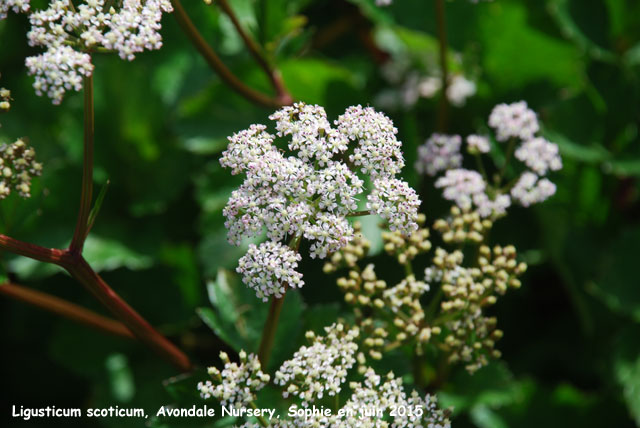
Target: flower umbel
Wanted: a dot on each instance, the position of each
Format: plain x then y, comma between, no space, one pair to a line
235,385
70,33
309,191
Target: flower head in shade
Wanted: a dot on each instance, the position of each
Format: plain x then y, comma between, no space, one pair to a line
478,144
439,153
459,89
68,33
531,190
310,190
539,155
17,167
461,186
472,191
514,121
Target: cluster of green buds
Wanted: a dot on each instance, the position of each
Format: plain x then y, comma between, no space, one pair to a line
406,248
501,267
398,313
17,168
5,98
463,225
470,336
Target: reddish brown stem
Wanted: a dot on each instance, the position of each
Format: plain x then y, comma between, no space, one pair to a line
216,63
256,51
72,260
443,107
269,330
65,309
36,252
84,274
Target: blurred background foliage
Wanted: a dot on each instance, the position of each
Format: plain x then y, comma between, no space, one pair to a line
572,333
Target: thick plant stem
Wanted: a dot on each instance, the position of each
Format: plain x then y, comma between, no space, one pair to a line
71,259
443,106
36,252
82,224
79,269
269,331
84,274
65,309
256,51
216,63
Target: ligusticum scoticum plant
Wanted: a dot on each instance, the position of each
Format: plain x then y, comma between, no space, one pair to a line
310,186
319,371
515,125
17,160
69,33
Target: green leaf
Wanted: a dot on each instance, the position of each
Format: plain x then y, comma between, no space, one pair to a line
107,254
120,378
617,284
96,207
314,80
623,168
517,54
560,11
238,316
492,386
484,417
588,153
626,368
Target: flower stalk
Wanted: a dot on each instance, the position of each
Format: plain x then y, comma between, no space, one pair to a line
443,106
216,64
256,51
82,225
65,309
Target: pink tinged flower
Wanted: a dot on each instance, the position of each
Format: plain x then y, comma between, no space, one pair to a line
514,121
540,155
461,185
439,153
478,144
530,189
269,268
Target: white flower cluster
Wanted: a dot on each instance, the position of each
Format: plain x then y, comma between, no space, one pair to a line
514,121
459,89
321,368
397,203
477,144
530,189
439,153
17,6
374,396
270,267
415,86
236,384
311,192
469,189
369,406
69,33
17,168
461,186
540,155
